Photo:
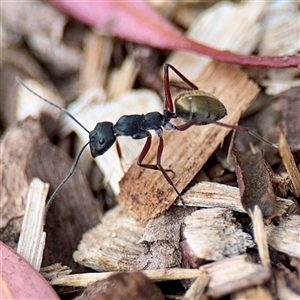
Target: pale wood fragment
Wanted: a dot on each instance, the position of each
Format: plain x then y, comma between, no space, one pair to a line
29,105
212,194
260,236
213,234
83,280
32,237
54,271
285,237
43,27
196,290
113,244
233,274
289,163
280,18
93,70
121,80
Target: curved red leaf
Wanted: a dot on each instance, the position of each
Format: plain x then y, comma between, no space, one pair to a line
19,280
140,23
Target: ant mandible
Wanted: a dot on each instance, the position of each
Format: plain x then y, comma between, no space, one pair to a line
193,106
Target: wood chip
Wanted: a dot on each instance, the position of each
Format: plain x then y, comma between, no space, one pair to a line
212,194
93,70
233,274
260,236
32,237
285,237
113,244
213,234
280,18
46,40
161,239
83,280
289,163
255,183
54,271
226,276
122,79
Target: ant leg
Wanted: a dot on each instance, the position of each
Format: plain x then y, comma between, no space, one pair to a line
186,125
168,103
119,151
192,122
158,165
242,129
144,153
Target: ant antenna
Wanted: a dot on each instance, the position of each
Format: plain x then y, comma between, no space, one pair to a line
77,156
49,102
64,181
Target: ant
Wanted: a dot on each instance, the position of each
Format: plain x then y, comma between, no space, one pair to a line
193,106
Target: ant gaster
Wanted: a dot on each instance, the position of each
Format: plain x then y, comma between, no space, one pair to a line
193,106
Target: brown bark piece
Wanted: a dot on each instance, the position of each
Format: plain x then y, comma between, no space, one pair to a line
255,183
161,240
123,286
17,144
145,193
288,104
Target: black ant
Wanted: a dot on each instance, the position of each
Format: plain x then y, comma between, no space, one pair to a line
194,107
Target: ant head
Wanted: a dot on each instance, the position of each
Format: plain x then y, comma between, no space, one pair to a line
101,138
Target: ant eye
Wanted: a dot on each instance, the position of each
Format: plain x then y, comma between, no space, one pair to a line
101,141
